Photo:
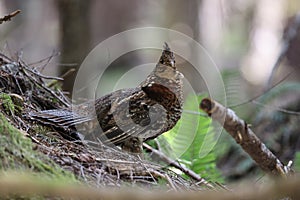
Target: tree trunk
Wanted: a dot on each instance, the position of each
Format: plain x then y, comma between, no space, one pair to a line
74,35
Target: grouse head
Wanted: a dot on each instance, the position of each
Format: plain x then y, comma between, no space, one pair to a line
167,58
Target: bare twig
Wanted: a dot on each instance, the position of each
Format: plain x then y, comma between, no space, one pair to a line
261,94
244,136
166,177
48,61
44,59
67,73
41,75
175,164
62,100
194,112
277,108
5,58
9,16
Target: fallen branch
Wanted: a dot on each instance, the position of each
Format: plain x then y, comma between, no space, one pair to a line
177,165
9,16
245,137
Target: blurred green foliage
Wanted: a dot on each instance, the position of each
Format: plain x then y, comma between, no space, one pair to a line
192,140
297,161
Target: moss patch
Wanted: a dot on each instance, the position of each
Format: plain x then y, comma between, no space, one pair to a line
7,103
16,153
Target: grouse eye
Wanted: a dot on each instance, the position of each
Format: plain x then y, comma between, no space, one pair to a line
145,106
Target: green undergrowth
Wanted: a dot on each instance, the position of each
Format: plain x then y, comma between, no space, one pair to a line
297,161
17,154
7,103
192,141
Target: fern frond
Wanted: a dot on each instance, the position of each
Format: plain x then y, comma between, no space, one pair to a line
192,140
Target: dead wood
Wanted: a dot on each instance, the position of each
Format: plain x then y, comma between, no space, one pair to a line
9,16
245,137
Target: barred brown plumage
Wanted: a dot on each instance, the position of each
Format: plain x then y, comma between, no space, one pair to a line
130,116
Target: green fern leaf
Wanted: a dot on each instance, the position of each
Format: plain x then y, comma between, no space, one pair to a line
191,141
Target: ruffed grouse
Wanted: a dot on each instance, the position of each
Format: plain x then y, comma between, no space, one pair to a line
128,117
